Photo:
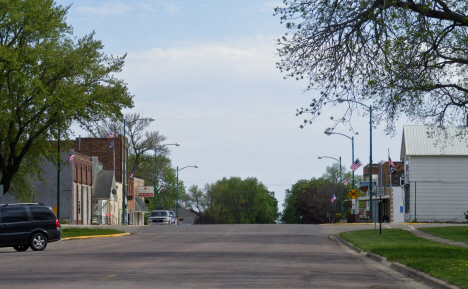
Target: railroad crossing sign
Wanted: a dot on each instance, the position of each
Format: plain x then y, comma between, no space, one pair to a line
353,194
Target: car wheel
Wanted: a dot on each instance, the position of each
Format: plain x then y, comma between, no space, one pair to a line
21,248
38,242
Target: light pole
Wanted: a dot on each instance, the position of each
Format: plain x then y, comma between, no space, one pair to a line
155,180
124,171
340,100
341,181
177,201
327,132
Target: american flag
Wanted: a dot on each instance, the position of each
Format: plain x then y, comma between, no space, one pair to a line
391,164
70,158
345,182
131,175
333,198
357,163
111,135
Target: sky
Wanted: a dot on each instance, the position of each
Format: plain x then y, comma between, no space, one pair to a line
206,71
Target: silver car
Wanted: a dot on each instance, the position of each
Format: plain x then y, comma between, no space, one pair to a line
160,217
172,214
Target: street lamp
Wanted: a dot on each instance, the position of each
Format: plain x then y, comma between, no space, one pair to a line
328,132
124,176
177,201
155,180
341,180
340,100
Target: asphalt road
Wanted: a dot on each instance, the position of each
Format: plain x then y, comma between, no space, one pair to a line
215,256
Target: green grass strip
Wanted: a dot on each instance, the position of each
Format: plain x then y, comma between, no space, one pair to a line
79,232
442,261
455,233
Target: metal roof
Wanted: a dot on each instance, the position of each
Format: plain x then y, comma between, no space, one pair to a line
420,140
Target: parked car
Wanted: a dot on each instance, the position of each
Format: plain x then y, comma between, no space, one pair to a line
31,225
159,217
172,214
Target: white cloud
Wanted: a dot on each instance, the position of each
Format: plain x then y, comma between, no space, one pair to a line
105,9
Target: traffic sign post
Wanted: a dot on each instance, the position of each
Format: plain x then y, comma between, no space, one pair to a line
380,192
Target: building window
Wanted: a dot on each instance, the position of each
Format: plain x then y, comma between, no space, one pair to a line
79,207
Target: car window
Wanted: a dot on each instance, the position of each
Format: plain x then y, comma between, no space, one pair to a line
158,214
42,213
13,214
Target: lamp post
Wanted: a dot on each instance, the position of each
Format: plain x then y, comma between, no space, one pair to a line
155,180
327,132
341,180
177,201
340,100
124,171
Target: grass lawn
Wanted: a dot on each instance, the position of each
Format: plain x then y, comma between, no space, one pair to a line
456,233
442,261
79,232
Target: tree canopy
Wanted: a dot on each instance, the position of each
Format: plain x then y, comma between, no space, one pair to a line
309,201
234,201
400,56
49,80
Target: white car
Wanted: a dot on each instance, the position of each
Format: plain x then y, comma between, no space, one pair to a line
160,217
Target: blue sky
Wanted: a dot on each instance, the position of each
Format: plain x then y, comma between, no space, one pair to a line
206,71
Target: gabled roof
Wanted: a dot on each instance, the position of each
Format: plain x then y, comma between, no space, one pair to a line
417,141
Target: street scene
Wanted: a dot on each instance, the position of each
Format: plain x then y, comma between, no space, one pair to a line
233,144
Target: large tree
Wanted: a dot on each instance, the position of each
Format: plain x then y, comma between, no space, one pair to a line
48,80
140,140
236,201
400,56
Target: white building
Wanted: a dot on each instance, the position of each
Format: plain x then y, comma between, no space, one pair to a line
436,175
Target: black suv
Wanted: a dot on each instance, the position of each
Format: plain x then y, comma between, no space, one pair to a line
28,225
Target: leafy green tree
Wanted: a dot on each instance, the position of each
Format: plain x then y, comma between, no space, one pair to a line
403,57
49,80
195,196
309,202
237,201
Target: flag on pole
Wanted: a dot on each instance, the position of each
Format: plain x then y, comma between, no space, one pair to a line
111,135
390,163
333,198
70,158
345,182
357,163
131,175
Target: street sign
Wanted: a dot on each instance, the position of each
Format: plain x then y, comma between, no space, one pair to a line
353,194
380,191
366,184
144,191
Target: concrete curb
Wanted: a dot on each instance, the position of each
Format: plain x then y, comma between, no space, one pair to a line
97,236
410,272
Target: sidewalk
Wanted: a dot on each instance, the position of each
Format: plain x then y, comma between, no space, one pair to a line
431,237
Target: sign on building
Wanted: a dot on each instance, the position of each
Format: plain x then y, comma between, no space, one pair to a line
144,191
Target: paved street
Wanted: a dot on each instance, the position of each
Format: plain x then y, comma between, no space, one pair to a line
216,256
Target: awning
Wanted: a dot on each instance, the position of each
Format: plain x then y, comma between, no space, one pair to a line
140,205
